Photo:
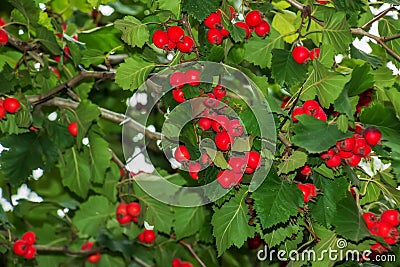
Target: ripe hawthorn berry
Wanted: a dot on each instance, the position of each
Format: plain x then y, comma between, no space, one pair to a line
3,37
385,230
205,124
186,45
2,112
333,162
311,107
253,18
211,102
176,262
133,209
160,39
213,21
309,191
346,144
322,2
55,71
224,32
378,247
2,22
182,154
175,34
235,128
192,77
306,170
372,135
345,154
253,159
300,54
226,178
20,247
148,236
237,164
391,217
220,123
177,79
244,26
122,214
353,161
297,111
94,258
11,105
30,252
254,242
314,53
178,95
73,128
370,219
29,237
214,36
263,29
219,91
194,169
223,141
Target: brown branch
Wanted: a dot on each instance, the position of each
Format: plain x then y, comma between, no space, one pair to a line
391,37
67,250
74,80
117,161
284,140
21,45
190,248
186,24
104,113
377,17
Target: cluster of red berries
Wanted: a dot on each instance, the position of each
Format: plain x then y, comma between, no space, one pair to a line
309,191
310,108
25,246
9,105
128,212
254,22
173,38
92,258
364,99
216,31
176,262
179,79
73,128
352,149
384,226
3,33
147,236
302,55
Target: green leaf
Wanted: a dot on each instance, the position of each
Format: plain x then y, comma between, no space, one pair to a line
92,56
343,123
372,193
348,221
10,126
286,22
388,27
59,134
100,157
323,211
86,113
26,152
315,135
47,39
373,60
280,234
230,223
92,215
285,69
173,6
155,212
200,9
109,33
336,32
296,160
259,51
134,32
361,80
236,33
276,200
394,96
28,9
383,77
250,122
219,160
75,172
133,72
343,104
327,85
188,221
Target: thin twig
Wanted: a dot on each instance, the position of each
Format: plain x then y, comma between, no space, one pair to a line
115,158
67,250
186,24
377,17
190,248
391,37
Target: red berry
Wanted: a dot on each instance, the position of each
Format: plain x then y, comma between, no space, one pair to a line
372,135
245,27
205,124
314,54
213,21
55,71
171,46
211,101
390,241
362,148
135,219
321,115
187,45
177,79
345,154
29,237
384,229
20,247
176,262
194,169
219,91
175,34
2,112
186,264
73,128
329,154
226,178
263,29
224,32
253,18
192,77
214,36
346,144
11,105
391,217
249,170
94,258
306,170
253,159
3,37
297,111
178,95
133,209
255,242
322,2
300,54
141,237
309,191
378,247
233,12
30,252
2,22
205,159
160,39
181,154
333,162
223,141
220,124
237,164
149,236
87,245
370,219
122,214
311,107
235,128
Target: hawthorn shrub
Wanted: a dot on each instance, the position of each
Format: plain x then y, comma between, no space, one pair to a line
70,191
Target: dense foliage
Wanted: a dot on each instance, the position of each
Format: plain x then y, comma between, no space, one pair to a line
69,68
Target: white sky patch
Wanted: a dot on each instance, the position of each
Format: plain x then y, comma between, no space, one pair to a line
174,163
4,202
339,58
391,66
138,163
137,137
25,193
21,32
52,116
373,166
61,212
106,10
170,56
42,6
151,128
36,174
37,66
362,45
2,148
85,141
147,226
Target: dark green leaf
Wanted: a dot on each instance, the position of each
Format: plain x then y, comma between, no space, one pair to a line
134,32
100,157
188,220
200,9
373,60
336,32
47,39
285,69
361,80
